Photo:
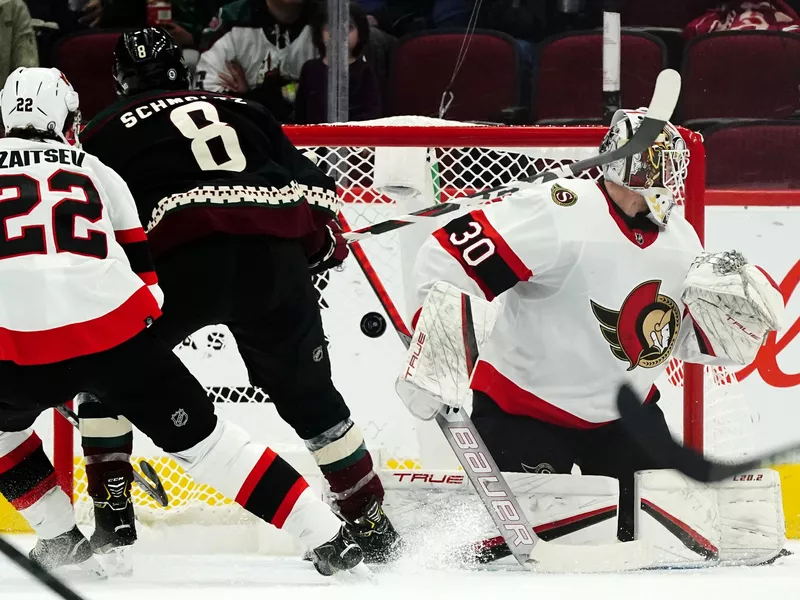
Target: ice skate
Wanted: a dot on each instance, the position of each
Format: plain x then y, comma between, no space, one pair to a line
115,526
375,534
341,553
69,548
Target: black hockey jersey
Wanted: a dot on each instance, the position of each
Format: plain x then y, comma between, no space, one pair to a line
199,163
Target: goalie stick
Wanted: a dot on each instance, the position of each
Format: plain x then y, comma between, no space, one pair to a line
665,97
660,445
503,506
46,578
153,488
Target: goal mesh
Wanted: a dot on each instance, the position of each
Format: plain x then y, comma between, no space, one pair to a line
374,183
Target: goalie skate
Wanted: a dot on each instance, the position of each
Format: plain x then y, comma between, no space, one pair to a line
341,553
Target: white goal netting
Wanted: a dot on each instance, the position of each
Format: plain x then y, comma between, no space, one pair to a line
385,169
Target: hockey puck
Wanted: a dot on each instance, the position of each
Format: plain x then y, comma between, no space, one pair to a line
373,325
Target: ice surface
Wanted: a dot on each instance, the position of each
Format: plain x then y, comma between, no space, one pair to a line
238,577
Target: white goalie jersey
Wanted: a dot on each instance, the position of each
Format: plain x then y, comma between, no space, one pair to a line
587,297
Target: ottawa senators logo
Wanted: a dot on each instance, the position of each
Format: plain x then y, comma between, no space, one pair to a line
563,196
645,329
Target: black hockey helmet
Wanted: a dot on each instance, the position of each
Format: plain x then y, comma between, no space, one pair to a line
149,59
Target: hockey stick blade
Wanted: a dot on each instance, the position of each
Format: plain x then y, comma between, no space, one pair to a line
155,489
648,430
47,579
665,98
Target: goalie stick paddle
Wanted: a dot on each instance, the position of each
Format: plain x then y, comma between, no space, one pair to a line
650,434
47,579
665,97
153,488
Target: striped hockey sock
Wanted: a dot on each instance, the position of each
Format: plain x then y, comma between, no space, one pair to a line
107,441
346,463
28,482
261,482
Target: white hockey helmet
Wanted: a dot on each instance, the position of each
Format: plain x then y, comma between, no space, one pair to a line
658,173
40,99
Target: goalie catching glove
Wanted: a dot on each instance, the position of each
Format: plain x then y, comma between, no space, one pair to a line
733,303
438,365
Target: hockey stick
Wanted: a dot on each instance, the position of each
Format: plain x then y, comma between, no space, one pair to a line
46,578
503,506
651,435
153,488
665,97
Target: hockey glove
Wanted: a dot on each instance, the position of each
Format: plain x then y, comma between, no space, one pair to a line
332,252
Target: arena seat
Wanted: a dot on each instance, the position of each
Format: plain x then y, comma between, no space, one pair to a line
487,82
755,154
87,58
741,74
567,84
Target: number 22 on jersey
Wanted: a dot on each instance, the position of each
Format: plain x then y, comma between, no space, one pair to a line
20,194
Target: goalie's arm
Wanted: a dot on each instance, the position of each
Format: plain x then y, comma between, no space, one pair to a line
487,252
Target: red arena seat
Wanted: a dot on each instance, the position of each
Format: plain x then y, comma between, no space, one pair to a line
741,74
755,154
486,82
568,81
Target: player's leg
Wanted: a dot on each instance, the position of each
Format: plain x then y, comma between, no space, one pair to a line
107,441
285,352
176,414
521,444
27,477
611,452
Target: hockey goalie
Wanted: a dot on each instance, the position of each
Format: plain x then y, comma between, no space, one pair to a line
577,286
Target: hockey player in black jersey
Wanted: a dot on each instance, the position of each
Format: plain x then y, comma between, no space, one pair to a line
238,220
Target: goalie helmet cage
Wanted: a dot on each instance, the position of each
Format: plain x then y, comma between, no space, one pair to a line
390,167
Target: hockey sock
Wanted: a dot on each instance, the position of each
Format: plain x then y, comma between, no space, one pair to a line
107,441
261,482
28,482
345,462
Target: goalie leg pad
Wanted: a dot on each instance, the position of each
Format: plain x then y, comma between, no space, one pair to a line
437,368
679,517
737,521
261,482
751,517
570,509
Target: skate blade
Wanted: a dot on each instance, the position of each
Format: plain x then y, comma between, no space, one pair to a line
88,570
118,562
359,573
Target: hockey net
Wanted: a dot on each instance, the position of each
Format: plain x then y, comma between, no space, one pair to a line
387,168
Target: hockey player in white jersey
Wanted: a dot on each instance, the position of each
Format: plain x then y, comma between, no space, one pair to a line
78,297
588,277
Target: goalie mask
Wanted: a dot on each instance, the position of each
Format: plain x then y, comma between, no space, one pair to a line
658,174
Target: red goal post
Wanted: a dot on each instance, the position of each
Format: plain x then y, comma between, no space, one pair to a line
365,136
467,158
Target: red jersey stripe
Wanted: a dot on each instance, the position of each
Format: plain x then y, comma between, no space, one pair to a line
130,236
20,453
510,257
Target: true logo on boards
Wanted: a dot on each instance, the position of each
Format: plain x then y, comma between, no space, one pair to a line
475,461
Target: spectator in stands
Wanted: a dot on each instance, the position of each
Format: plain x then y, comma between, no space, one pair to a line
312,91
17,38
257,48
